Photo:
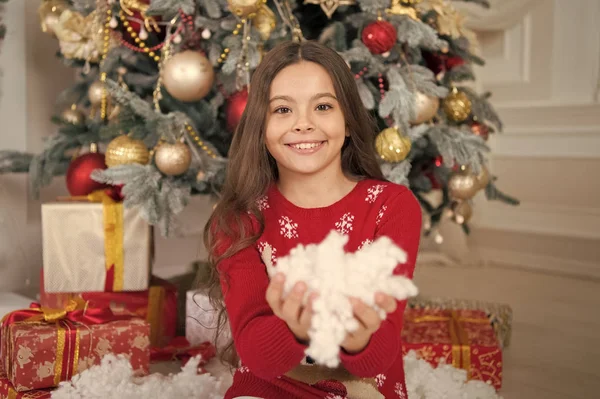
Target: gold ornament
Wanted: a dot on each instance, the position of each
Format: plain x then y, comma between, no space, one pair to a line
462,212
96,93
245,8
188,76
80,37
483,178
172,159
457,105
330,6
399,7
426,107
73,115
124,150
391,145
49,12
450,22
129,6
462,185
264,22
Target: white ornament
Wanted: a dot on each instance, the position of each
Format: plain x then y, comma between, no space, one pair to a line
113,22
336,276
177,39
143,34
206,34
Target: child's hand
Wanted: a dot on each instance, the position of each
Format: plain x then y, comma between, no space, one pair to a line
369,321
290,309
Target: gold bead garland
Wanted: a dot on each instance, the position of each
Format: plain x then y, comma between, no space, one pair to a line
199,142
136,38
235,32
104,104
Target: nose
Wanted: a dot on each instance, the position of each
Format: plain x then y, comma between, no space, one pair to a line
303,125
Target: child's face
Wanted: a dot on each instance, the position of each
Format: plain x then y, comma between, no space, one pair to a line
305,127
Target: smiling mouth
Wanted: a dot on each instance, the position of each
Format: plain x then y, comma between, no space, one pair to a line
306,146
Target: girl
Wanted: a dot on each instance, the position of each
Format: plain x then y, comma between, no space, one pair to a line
301,164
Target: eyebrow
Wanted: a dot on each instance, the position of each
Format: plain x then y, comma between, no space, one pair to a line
315,97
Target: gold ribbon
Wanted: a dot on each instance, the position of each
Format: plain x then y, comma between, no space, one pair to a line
461,348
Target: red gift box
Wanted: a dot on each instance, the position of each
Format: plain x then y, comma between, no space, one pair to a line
157,305
463,338
41,347
7,390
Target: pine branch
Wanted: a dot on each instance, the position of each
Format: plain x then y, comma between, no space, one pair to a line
417,33
459,146
14,161
365,94
492,193
373,6
482,108
457,74
423,80
212,8
397,173
84,7
334,36
170,8
398,101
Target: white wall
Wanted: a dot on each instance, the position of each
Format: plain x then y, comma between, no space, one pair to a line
543,68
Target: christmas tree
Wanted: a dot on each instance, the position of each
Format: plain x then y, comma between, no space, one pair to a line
162,84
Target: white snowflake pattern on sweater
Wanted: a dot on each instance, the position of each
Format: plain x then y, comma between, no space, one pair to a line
399,391
268,253
364,244
288,227
374,192
244,369
263,203
344,225
380,214
380,379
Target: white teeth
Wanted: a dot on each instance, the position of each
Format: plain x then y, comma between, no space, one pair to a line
306,146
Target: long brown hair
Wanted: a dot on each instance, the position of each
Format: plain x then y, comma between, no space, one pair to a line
251,169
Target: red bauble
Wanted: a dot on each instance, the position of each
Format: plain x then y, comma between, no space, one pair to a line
236,104
452,62
379,37
79,181
481,130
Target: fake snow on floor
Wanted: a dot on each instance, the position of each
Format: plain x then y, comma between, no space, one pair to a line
114,379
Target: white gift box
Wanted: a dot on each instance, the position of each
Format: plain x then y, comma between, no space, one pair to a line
201,320
73,237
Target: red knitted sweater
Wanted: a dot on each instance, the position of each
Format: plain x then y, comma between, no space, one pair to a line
266,346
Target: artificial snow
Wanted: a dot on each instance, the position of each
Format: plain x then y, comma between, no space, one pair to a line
335,276
114,379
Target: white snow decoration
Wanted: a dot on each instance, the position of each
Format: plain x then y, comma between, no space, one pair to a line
443,382
114,379
336,276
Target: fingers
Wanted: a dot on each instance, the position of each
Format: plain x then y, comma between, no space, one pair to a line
386,302
366,315
292,304
274,293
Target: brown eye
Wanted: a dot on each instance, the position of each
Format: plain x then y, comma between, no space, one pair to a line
324,107
282,110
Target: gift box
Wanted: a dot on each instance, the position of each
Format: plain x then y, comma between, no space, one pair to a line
95,246
157,305
202,320
463,338
41,347
500,315
7,390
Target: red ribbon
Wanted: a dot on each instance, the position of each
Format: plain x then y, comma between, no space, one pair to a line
180,349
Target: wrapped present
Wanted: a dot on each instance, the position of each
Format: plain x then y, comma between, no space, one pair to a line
157,305
7,390
41,347
95,246
500,315
463,338
202,320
